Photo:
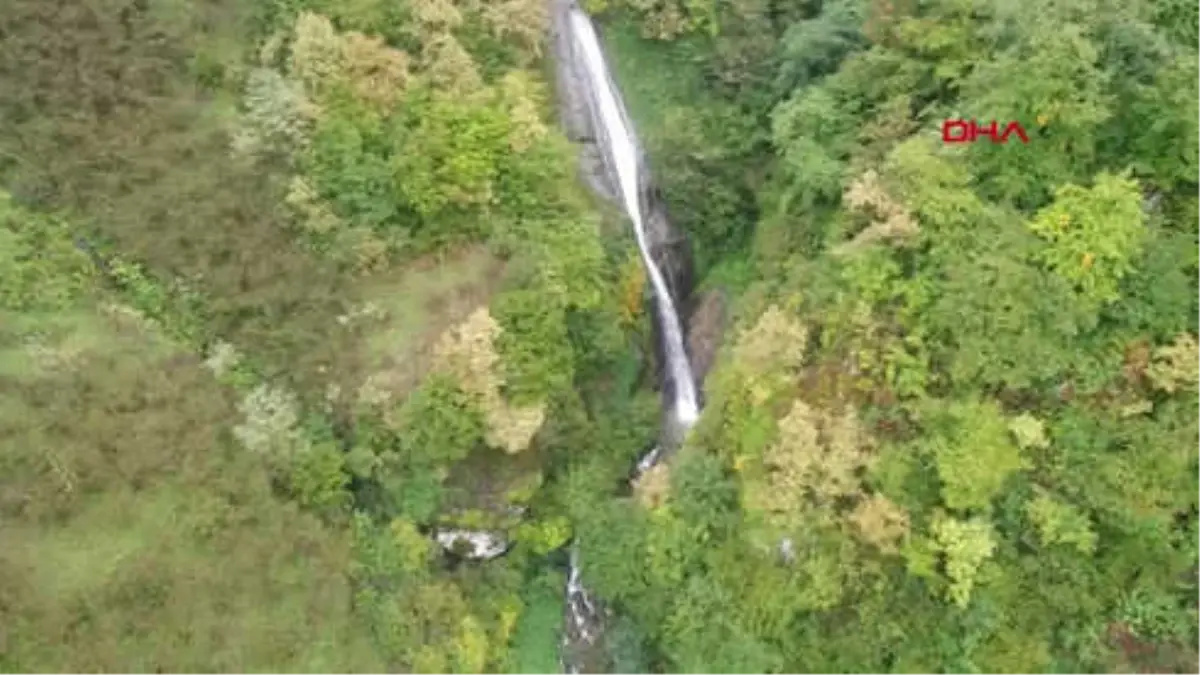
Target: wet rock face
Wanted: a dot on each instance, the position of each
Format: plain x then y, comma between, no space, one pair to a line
706,327
669,247
594,172
573,112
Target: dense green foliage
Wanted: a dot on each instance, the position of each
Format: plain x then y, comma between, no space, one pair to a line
286,284
254,352
947,385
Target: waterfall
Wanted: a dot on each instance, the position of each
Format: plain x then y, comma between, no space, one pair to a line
623,156
586,82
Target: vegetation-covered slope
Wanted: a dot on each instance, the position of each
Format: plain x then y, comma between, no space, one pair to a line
962,384
284,284
355,293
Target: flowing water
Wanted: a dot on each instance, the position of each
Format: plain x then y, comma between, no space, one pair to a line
614,136
623,155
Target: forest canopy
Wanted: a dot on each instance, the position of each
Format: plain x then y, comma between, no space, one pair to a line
287,286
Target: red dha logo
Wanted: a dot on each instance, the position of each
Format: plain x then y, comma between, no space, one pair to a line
967,131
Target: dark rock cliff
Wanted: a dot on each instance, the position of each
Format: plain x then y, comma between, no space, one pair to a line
705,330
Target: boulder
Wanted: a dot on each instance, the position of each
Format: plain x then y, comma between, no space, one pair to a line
472,544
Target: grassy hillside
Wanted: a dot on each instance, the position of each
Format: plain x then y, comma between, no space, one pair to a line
285,285
137,535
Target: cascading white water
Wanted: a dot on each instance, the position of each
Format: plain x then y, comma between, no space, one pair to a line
580,47
621,146
582,611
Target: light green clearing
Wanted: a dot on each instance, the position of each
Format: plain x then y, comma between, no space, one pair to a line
418,304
